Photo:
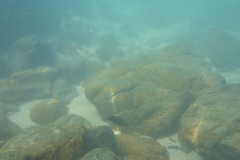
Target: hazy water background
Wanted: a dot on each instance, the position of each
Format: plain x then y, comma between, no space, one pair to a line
20,18
47,18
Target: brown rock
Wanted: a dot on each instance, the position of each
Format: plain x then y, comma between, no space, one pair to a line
70,121
50,142
211,125
47,111
136,147
151,92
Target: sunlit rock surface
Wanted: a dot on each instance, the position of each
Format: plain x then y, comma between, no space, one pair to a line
146,90
211,125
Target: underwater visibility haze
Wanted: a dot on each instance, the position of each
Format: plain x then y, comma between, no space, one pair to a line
129,79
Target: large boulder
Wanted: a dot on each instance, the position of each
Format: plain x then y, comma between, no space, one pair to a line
211,125
28,85
103,136
149,92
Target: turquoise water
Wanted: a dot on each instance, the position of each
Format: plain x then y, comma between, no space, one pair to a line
73,40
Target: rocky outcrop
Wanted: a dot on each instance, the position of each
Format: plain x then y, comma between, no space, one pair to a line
211,125
149,92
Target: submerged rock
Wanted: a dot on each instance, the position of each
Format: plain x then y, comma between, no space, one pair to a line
48,111
135,147
72,67
28,85
94,67
29,52
211,125
100,154
50,142
64,91
109,48
69,137
151,92
220,47
105,137
72,121
11,155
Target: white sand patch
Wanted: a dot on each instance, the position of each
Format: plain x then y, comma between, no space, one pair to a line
232,76
81,106
22,118
174,149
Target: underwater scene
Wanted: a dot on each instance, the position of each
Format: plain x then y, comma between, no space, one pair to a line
119,80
